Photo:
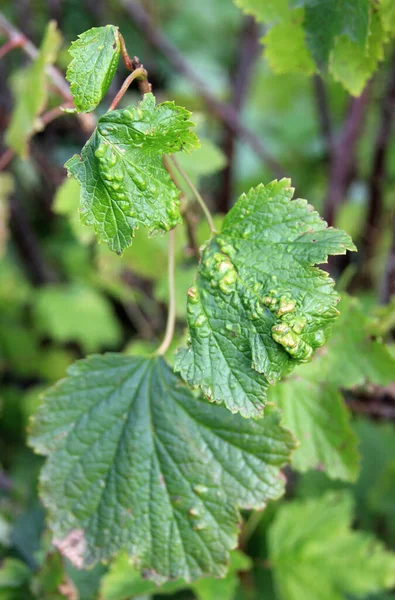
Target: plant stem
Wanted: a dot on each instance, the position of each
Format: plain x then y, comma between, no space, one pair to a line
139,73
6,158
227,114
125,55
195,192
171,315
16,42
54,113
250,526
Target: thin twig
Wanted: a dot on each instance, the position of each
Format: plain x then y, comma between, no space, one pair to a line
375,409
241,77
54,113
378,174
323,113
6,158
388,282
139,74
171,315
11,44
343,158
227,114
87,120
195,192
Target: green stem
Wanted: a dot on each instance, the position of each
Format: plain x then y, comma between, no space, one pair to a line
195,192
250,526
171,315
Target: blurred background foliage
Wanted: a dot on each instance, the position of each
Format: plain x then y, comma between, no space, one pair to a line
62,296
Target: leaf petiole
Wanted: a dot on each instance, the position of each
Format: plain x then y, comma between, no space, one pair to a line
196,193
140,74
171,315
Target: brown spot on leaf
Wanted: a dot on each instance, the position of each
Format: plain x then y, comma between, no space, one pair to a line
73,547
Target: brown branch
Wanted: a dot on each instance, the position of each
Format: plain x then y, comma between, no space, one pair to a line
227,114
373,409
58,81
28,246
343,159
242,73
11,44
388,283
323,114
6,158
378,174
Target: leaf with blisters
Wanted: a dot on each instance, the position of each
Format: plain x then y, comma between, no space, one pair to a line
136,462
95,56
259,306
124,183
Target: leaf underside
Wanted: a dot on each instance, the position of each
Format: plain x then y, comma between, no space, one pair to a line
95,56
136,462
124,183
259,306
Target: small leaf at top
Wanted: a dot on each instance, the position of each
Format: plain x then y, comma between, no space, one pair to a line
95,56
259,306
137,462
124,183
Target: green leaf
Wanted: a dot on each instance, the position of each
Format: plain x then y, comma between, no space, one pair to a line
387,14
32,93
317,556
286,50
206,160
265,11
76,313
325,20
66,202
209,588
259,307
353,65
124,183
136,462
14,573
123,581
317,415
351,357
95,56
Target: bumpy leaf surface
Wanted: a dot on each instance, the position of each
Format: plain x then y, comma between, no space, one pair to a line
316,556
259,307
124,183
95,56
31,93
136,462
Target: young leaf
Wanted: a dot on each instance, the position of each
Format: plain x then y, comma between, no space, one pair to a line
136,462
317,556
286,50
353,65
317,415
265,11
72,313
95,57
124,183
259,307
66,202
31,93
